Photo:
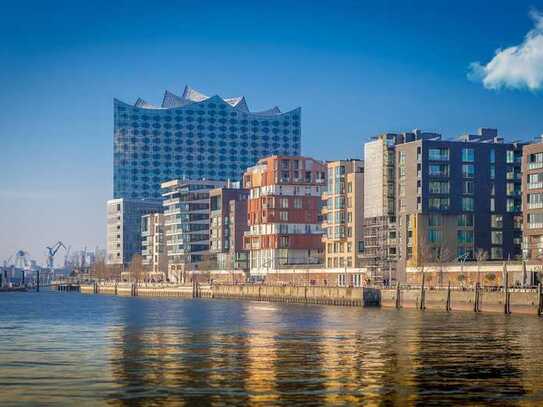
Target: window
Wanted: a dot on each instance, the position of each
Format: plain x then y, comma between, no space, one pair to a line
464,236
465,220
434,236
492,205
468,155
468,170
434,220
535,161
298,203
439,203
496,253
349,187
467,187
492,156
283,202
535,181
535,220
438,170
283,215
497,237
492,171
438,154
511,205
439,187
468,204
496,221
510,157
535,201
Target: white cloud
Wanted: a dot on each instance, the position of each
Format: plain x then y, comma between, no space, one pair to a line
516,67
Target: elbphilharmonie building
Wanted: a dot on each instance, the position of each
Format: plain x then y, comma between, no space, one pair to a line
194,136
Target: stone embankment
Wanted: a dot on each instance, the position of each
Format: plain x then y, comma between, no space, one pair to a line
510,301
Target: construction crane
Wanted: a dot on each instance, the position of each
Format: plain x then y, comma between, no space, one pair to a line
51,255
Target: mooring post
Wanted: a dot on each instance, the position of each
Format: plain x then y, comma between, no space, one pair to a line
398,293
38,281
476,298
540,299
448,304
507,305
422,299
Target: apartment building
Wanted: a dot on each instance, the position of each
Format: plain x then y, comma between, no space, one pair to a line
284,212
153,247
186,224
124,228
458,200
532,200
228,223
343,213
379,253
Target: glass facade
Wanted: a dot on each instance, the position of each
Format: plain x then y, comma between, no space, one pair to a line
194,137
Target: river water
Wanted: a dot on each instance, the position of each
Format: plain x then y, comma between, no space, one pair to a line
73,349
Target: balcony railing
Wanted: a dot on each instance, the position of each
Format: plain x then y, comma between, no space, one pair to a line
535,185
535,165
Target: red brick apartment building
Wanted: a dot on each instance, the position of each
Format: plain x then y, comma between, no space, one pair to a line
284,212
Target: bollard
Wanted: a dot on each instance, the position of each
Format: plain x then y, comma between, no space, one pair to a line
422,299
507,304
448,303
540,299
476,298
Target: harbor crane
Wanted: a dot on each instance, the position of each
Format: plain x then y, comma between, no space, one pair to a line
51,256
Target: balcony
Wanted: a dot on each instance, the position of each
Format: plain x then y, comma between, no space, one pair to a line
535,205
535,185
535,165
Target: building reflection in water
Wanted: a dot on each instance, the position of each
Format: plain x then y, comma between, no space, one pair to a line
210,353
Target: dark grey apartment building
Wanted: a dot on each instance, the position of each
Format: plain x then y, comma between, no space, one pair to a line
457,200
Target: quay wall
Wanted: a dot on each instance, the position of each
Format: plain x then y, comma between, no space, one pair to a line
514,301
519,301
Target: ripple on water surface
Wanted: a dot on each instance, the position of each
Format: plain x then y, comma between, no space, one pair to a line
66,348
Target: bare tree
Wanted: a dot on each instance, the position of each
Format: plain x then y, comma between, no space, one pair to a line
98,269
480,257
136,268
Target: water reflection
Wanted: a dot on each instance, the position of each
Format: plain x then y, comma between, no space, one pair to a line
132,351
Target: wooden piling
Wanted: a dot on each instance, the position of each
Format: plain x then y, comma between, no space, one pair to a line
448,303
539,299
398,294
422,299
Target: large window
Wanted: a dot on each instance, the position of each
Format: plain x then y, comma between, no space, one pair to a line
496,253
535,220
468,204
438,154
496,237
439,187
468,155
468,170
535,201
510,156
438,170
535,181
467,187
496,221
535,161
464,236
439,203
434,220
492,156
465,220
434,236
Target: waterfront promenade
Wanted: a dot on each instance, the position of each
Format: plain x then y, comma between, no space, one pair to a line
511,301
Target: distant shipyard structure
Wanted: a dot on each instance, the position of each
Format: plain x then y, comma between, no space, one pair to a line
194,136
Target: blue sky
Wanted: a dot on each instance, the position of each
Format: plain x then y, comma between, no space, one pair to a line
356,69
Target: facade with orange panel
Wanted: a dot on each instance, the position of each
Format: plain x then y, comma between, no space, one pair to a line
284,212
